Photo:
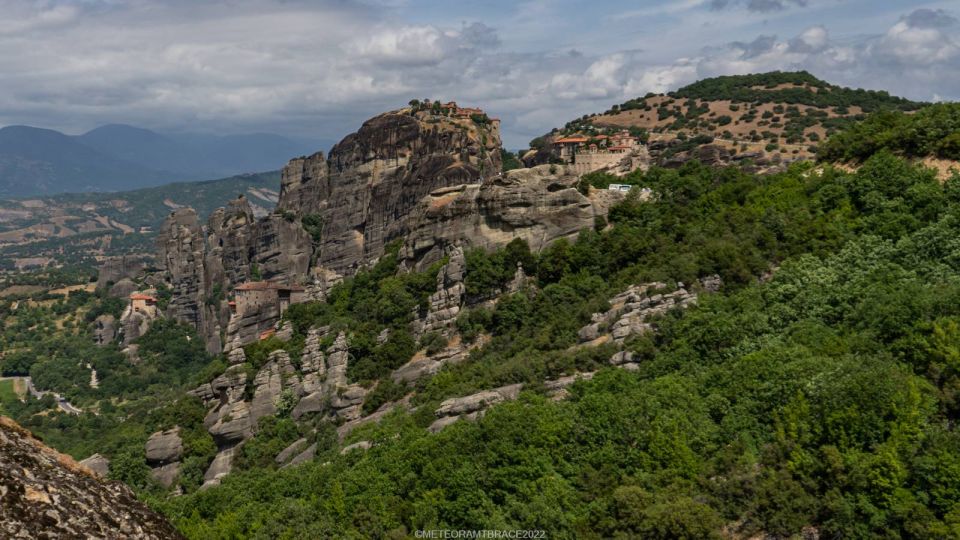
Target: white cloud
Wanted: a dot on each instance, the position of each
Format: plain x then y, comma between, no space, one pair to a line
321,68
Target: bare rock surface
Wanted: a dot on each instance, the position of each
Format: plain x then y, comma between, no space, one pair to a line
45,494
98,464
472,406
539,205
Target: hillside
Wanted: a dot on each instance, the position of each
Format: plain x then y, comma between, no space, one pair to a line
728,355
72,228
779,113
38,162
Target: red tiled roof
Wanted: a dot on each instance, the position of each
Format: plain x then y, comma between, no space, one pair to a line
139,296
571,140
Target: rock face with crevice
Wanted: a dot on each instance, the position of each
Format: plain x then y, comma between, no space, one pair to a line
444,305
539,205
332,394
45,494
431,179
163,451
473,406
631,311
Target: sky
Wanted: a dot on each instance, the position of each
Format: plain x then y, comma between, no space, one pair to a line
316,69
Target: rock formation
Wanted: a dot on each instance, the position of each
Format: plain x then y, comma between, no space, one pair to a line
334,397
444,305
472,406
114,269
97,464
353,202
163,452
45,494
104,329
539,205
631,310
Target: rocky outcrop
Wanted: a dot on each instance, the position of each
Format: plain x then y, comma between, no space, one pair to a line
353,202
444,305
347,427
334,396
423,365
313,362
227,249
114,269
303,457
282,248
229,420
276,376
294,449
182,255
45,494
104,329
539,205
97,464
557,388
631,310
472,406
163,452
373,178
135,320
360,445
122,288
221,466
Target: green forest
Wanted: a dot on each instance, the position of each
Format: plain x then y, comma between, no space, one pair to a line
820,387
931,131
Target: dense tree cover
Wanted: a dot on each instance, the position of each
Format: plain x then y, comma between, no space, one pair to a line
49,337
932,131
824,394
808,90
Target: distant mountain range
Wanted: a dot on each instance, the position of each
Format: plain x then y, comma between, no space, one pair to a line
76,228
35,161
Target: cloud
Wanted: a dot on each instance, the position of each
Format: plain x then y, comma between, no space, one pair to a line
918,57
930,18
757,6
320,67
812,40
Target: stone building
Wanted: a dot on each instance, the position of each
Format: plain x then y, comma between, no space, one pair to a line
143,303
252,296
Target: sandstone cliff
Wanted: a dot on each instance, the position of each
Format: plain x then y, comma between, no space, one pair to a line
433,180
335,215
539,205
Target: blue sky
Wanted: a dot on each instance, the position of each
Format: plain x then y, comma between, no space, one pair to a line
318,68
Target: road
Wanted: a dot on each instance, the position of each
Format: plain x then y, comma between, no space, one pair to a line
62,402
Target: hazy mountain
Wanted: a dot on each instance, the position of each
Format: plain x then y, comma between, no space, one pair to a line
41,161
115,157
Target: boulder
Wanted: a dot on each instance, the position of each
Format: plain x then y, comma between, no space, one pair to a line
123,288
164,447
295,448
104,329
303,457
362,445
98,464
